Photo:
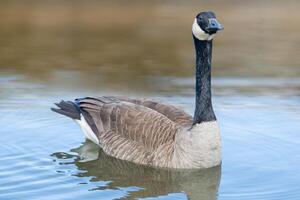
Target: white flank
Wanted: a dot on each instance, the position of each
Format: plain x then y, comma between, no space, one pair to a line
88,132
199,33
199,147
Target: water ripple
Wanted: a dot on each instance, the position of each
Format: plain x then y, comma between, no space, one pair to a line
42,156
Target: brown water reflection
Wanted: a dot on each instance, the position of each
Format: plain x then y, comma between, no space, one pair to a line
125,41
54,49
94,164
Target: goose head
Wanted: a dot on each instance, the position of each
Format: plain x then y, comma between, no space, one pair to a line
206,26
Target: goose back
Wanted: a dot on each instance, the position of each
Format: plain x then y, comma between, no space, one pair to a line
128,130
174,113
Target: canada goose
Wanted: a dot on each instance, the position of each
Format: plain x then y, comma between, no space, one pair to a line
152,133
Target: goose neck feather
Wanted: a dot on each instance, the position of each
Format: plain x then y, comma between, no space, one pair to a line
203,110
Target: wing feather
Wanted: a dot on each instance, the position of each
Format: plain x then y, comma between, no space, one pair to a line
174,113
129,131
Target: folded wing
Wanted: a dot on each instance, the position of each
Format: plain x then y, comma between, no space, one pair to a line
129,130
174,113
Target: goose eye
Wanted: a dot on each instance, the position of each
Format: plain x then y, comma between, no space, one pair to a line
200,20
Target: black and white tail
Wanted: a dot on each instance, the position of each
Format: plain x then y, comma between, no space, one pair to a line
72,110
68,108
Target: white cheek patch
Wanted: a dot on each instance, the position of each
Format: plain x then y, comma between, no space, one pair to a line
199,33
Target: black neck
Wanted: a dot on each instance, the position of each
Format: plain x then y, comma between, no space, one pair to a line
203,111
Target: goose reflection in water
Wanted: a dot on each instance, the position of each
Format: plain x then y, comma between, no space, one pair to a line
92,162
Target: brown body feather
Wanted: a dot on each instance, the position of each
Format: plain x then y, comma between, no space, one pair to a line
139,130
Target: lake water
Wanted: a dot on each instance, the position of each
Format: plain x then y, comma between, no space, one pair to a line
53,51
